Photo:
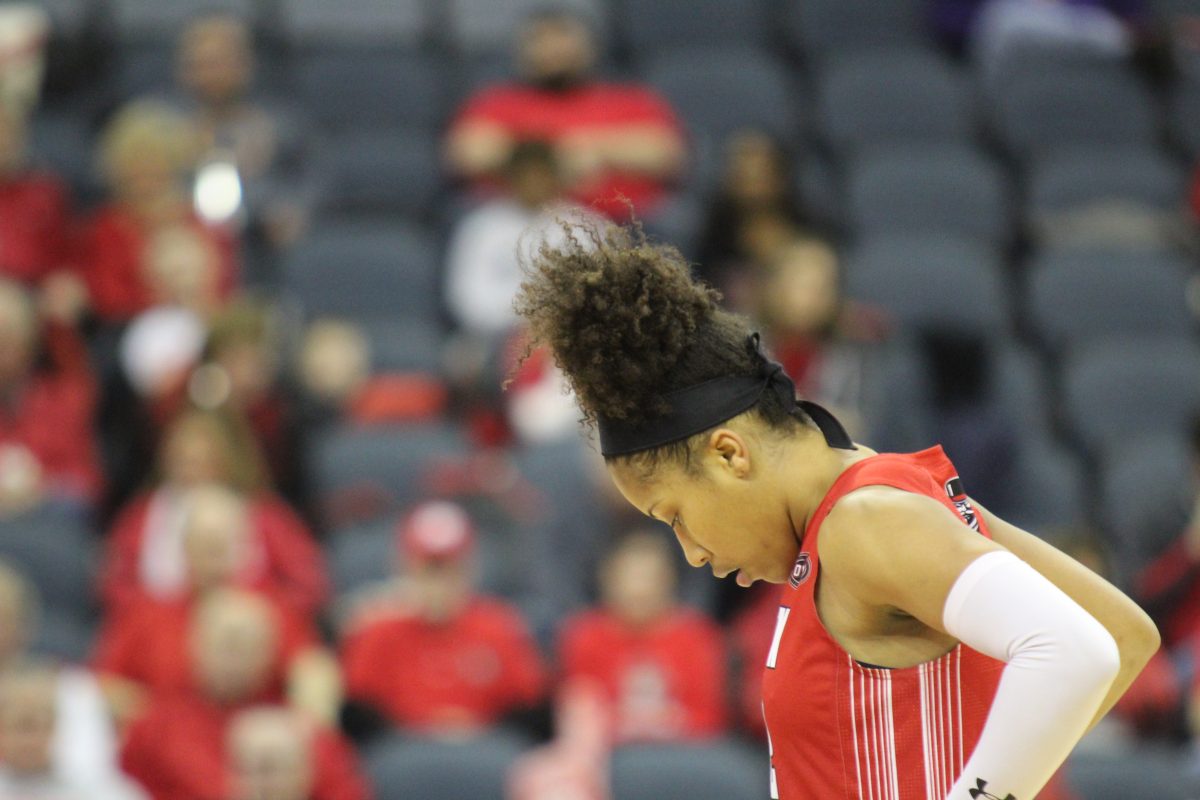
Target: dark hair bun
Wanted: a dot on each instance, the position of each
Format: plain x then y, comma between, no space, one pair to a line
618,312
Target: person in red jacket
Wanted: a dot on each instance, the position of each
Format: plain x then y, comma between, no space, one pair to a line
446,658
618,144
146,246
276,754
34,208
142,650
178,749
198,448
47,409
662,665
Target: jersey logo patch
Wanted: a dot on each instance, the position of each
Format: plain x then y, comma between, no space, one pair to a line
958,496
980,792
800,571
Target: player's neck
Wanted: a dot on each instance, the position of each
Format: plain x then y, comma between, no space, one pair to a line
808,468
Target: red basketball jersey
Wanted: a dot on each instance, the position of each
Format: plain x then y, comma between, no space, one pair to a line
840,729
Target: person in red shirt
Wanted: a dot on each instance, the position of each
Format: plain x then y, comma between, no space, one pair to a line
146,246
47,409
446,659
143,554
616,143
178,749
34,208
142,650
276,754
662,666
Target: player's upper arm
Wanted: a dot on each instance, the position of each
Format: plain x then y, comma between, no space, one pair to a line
899,549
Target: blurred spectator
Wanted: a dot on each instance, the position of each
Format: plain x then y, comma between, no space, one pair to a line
1169,587
144,641
753,211
824,341
575,764
617,144
29,719
178,749
440,659
275,754
145,546
662,666
255,157
83,748
146,246
47,404
34,212
241,369
483,268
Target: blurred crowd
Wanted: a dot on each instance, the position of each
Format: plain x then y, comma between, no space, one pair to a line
269,517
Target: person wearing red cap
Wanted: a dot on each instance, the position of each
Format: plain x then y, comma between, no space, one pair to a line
447,659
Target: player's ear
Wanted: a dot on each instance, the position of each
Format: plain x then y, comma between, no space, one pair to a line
728,451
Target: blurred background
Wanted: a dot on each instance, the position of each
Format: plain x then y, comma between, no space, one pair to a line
271,529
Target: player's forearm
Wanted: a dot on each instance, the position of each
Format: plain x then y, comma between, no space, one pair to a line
1135,634
478,149
654,151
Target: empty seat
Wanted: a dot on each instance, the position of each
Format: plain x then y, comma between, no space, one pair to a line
1117,389
63,636
1071,105
717,92
361,554
931,281
1088,175
469,769
648,27
155,20
1185,114
717,771
1145,774
893,95
929,189
490,26
384,172
382,87
366,472
1146,496
1049,486
355,22
1077,295
404,346
56,552
822,28
362,269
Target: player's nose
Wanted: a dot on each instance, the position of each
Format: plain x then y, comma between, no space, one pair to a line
696,555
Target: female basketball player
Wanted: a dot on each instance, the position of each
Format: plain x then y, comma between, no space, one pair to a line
924,649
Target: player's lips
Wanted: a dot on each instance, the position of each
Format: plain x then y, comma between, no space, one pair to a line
744,580
722,573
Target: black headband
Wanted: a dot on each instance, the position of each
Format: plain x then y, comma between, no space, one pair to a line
697,408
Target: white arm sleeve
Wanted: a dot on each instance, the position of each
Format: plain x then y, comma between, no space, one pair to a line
1061,662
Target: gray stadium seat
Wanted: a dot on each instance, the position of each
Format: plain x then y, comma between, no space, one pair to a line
404,346
155,20
1063,105
648,27
361,554
1022,385
57,553
384,172
1185,114
62,142
821,28
395,23
1146,495
363,87
473,769
950,189
1079,295
63,636
364,472
1117,389
891,96
717,92
718,771
490,26
365,270
1049,486
1086,175
1142,775
931,281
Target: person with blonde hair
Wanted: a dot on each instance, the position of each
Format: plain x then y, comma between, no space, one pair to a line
147,155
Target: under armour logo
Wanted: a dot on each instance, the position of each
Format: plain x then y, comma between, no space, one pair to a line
980,792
